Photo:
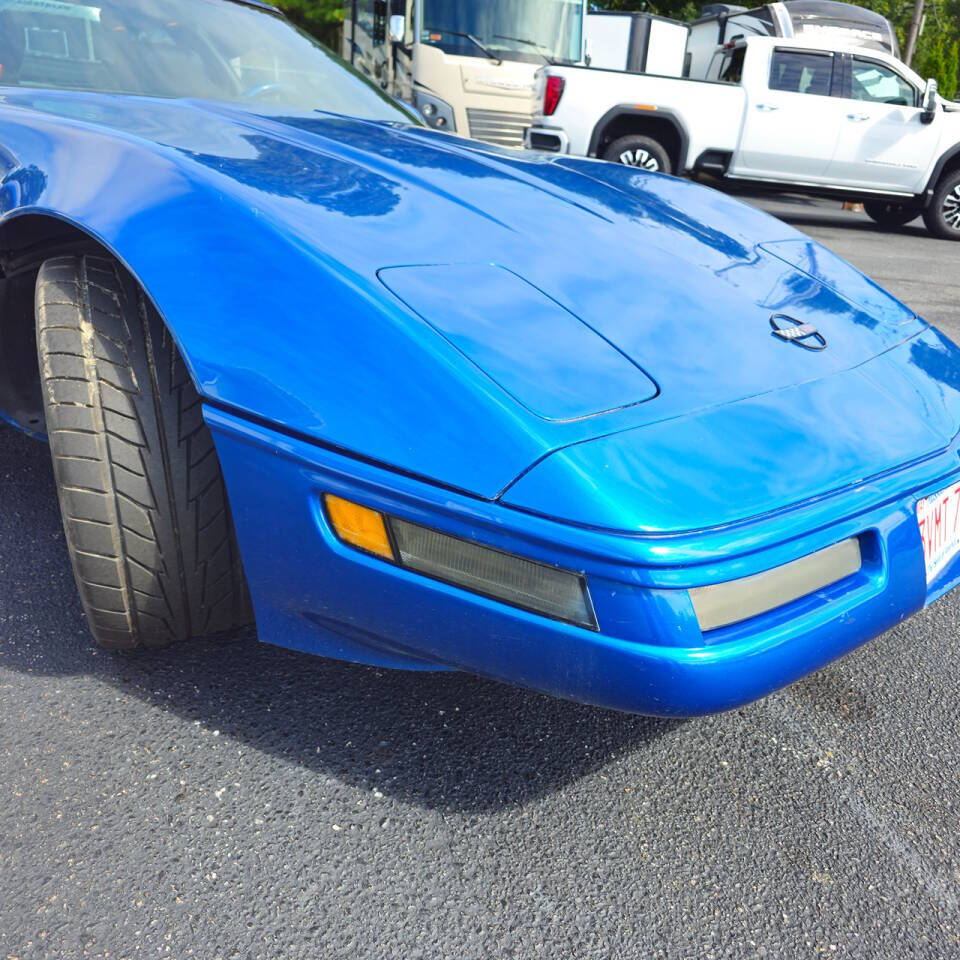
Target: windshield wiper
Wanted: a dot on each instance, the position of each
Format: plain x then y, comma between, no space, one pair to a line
473,40
539,47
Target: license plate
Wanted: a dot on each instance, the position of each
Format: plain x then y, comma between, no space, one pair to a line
939,519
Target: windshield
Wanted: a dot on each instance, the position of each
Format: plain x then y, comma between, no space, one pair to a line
208,49
510,29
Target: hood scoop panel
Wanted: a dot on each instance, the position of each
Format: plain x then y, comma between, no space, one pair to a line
541,354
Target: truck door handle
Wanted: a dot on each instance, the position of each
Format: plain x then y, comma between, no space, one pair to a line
858,117
767,107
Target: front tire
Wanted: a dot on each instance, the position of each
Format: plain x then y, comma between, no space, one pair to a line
637,151
144,505
942,216
890,215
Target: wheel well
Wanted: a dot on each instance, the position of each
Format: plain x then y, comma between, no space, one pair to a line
26,241
952,165
945,165
661,129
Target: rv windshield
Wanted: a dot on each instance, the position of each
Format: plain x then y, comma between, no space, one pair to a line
208,49
509,29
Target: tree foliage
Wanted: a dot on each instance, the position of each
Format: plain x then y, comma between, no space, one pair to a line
323,18
938,59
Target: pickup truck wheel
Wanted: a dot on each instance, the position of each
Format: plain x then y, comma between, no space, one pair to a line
942,216
637,151
891,214
144,506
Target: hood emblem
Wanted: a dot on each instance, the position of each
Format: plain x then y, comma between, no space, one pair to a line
803,335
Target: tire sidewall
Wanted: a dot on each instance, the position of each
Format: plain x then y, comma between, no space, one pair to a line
634,144
933,216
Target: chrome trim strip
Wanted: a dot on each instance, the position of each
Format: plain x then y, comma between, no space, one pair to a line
787,184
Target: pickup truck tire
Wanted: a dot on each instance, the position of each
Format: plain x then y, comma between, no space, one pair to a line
145,510
942,216
891,215
635,150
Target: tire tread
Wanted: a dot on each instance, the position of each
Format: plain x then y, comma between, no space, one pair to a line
138,491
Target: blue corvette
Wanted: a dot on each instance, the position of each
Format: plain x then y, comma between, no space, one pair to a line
410,401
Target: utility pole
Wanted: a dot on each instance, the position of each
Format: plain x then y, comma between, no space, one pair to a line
915,25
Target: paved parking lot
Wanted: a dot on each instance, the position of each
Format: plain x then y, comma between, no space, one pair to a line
232,800
921,271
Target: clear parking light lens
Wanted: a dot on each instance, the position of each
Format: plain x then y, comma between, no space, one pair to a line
558,594
723,604
521,583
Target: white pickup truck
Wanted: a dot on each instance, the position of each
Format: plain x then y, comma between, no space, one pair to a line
818,118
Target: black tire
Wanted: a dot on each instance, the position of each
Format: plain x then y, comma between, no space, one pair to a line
144,506
942,216
891,215
637,151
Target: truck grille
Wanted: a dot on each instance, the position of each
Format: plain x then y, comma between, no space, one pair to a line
497,126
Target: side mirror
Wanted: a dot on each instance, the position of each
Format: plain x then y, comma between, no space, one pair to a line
930,102
398,28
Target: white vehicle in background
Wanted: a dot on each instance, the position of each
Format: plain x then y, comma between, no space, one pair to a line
469,67
811,20
820,118
646,43
636,43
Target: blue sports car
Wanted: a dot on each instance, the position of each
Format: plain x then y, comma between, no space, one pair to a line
406,400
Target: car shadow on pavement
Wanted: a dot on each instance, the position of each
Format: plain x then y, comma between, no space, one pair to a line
847,221
801,211
441,740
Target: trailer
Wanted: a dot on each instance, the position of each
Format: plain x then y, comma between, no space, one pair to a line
720,23
636,43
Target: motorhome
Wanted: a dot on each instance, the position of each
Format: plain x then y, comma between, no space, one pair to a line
468,67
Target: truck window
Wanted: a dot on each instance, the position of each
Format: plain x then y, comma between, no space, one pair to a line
797,71
731,70
877,83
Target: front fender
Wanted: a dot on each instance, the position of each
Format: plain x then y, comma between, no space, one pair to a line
268,324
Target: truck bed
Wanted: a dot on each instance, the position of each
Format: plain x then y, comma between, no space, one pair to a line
709,114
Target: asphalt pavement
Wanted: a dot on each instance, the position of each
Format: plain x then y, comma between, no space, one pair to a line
231,800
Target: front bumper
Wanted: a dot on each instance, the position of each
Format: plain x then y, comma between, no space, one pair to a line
314,594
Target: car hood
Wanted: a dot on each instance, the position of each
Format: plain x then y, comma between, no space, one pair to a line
630,299
681,280
761,455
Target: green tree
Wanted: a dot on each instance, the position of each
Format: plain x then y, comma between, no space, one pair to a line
937,57
952,79
322,18
930,61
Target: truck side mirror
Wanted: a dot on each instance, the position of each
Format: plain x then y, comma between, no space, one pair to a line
398,28
930,102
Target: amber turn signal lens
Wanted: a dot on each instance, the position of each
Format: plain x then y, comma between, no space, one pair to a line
523,583
359,526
